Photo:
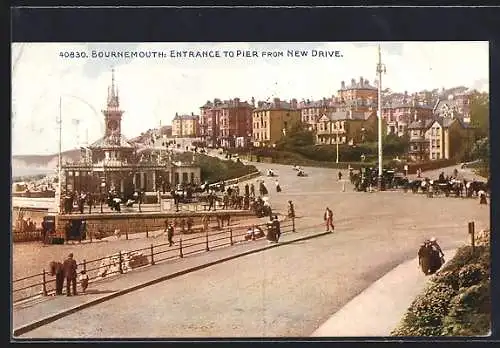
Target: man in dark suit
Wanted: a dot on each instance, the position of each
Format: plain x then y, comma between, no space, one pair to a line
69,267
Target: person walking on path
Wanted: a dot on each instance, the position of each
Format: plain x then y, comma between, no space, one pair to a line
170,234
328,218
84,280
291,210
56,269
340,175
70,267
278,187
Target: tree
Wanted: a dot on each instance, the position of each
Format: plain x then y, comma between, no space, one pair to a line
480,113
481,150
298,135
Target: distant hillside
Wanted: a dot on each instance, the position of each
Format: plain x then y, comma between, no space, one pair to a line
43,161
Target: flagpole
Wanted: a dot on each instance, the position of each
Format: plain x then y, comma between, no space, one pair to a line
59,173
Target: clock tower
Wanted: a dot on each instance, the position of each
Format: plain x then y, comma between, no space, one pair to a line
113,114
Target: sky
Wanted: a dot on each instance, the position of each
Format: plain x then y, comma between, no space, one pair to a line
152,90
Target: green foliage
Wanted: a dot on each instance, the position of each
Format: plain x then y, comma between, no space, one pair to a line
298,135
394,145
469,313
480,113
481,150
214,169
457,302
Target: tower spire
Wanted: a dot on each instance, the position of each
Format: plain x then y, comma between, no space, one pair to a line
113,91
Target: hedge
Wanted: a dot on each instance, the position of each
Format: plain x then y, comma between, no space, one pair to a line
457,302
214,169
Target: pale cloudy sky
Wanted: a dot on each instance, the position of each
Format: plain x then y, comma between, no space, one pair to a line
155,89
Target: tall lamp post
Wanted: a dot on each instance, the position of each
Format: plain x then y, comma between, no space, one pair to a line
380,69
59,171
337,142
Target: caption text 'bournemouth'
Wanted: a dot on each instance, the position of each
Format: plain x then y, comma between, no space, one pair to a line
217,54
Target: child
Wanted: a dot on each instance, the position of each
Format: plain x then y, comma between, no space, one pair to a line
84,280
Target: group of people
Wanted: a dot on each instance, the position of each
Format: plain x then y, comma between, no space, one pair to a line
67,270
272,234
430,256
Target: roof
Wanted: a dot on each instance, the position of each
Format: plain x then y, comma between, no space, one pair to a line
400,105
232,103
109,142
345,115
277,105
361,84
186,117
421,124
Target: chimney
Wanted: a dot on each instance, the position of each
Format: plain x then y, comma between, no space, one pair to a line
342,85
361,81
353,82
192,113
237,101
276,102
294,103
253,101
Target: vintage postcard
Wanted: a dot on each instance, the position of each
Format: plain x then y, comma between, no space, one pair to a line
301,189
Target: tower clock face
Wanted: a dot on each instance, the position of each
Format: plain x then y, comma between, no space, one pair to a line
113,125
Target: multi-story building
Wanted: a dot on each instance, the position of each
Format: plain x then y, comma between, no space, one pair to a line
271,121
345,127
226,123
399,115
311,111
186,125
419,146
113,163
439,138
455,106
358,96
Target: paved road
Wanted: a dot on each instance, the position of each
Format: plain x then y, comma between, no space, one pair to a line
292,290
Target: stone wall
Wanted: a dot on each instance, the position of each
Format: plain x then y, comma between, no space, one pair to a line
142,222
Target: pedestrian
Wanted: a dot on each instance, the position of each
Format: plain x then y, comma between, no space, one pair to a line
166,225
328,218
278,187
57,270
84,280
170,234
340,175
277,227
291,210
482,197
252,190
70,267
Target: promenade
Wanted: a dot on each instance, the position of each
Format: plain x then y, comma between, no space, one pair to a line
289,290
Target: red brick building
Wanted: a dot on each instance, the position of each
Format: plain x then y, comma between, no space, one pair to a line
358,96
226,123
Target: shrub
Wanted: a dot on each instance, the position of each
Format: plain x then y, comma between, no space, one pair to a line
469,312
470,275
457,302
214,169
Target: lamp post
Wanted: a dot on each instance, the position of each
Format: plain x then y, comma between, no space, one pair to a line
337,142
380,69
59,171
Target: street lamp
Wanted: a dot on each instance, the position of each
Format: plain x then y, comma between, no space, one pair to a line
380,69
337,142
59,172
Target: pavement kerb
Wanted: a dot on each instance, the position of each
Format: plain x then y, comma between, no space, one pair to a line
38,323
358,306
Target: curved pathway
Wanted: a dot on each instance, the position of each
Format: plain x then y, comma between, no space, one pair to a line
293,289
